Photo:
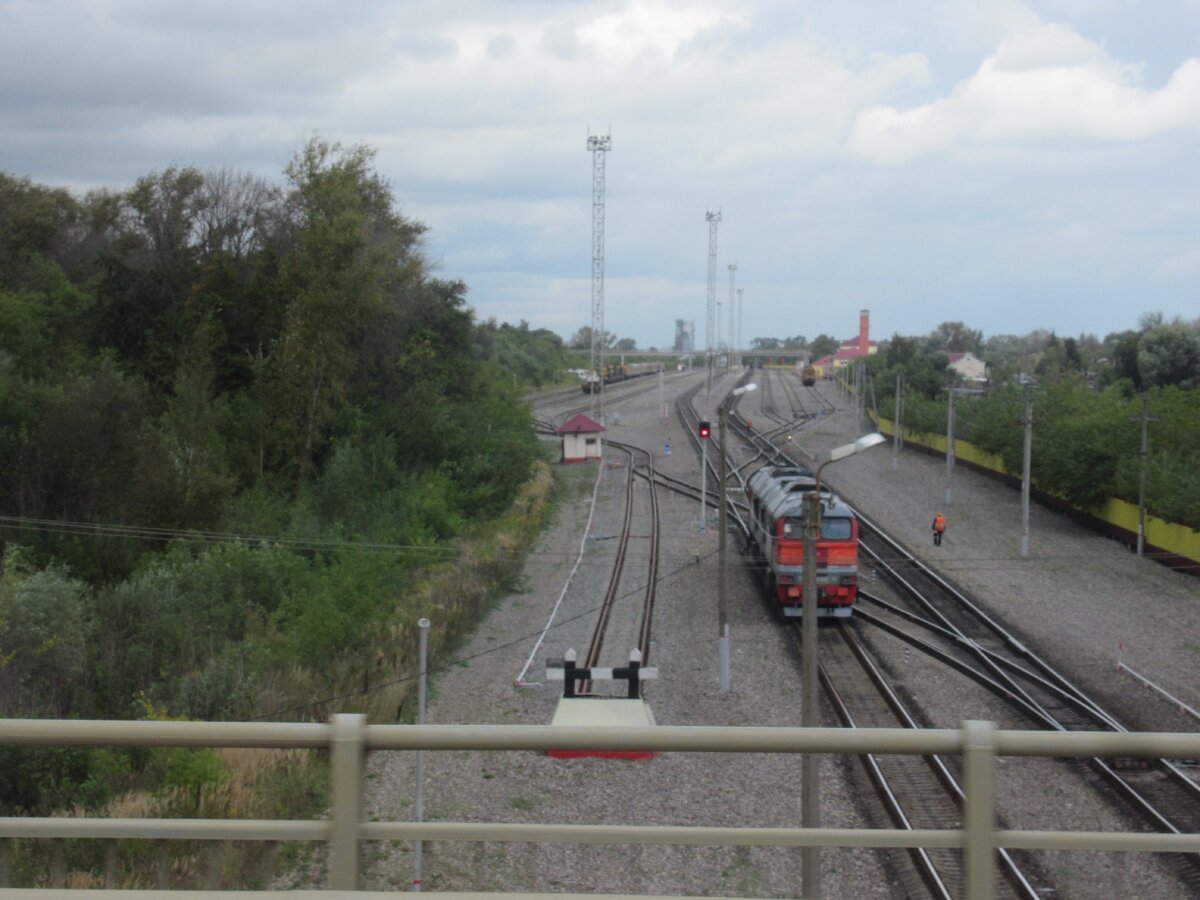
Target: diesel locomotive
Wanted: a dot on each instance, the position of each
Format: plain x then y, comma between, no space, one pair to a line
776,497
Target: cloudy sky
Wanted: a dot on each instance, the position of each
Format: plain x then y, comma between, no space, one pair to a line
1008,163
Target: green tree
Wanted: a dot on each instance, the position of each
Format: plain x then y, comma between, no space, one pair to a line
45,632
1169,355
351,249
823,345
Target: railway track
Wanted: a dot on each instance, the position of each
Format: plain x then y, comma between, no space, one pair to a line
923,793
958,632
936,618
914,792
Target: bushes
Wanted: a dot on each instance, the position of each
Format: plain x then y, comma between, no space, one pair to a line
1086,441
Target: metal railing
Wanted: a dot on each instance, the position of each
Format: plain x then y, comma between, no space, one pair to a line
348,738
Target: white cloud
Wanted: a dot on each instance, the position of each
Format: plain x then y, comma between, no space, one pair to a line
1050,85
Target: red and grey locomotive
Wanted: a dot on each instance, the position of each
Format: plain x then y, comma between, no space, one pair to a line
776,495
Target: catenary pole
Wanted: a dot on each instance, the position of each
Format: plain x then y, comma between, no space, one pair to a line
1025,473
898,429
950,442
1142,454
722,575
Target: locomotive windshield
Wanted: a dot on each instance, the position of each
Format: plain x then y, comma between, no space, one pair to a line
833,528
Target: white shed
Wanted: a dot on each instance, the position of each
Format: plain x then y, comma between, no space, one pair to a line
968,366
580,438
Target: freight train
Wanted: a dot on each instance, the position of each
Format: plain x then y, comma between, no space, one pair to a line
620,372
776,496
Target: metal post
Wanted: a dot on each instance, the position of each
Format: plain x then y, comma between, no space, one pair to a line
662,400
704,481
1141,535
1025,475
810,810
898,427
979,813
419,810
949,443
346,764
739,329
722,596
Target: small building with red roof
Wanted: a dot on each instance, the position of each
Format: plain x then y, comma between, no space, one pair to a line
580,438
858,347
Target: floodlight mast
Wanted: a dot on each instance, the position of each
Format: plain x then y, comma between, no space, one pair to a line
730,343
598,144
714,219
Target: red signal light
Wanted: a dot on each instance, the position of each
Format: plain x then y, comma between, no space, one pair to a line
705,430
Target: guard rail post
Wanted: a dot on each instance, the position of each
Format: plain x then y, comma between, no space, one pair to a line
346,765
979,808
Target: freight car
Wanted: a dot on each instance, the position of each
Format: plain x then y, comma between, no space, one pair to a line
808,376
620,372
776,520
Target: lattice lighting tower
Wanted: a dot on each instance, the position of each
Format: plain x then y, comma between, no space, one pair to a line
598,144
714,219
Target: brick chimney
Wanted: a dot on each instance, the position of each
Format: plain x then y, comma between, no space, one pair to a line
864,329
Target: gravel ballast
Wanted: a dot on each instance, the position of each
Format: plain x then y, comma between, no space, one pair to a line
1081,599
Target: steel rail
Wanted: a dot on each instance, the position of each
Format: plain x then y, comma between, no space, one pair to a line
928,867
614,582
1058,686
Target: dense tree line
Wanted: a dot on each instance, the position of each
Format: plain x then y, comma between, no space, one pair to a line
1087,396
207,355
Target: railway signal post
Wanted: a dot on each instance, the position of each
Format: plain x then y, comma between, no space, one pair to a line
704,429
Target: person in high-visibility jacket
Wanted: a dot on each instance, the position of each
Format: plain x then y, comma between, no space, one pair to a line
939,528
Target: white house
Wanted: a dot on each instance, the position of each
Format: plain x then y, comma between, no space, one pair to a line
968,366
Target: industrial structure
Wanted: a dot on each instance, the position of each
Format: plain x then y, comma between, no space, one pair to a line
714,219
598,144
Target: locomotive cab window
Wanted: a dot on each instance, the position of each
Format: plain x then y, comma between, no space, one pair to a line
832,529
835,529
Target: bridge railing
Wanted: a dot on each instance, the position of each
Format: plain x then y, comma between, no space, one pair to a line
348,738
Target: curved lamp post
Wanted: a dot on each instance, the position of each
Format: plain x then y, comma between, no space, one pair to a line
810,810
722,606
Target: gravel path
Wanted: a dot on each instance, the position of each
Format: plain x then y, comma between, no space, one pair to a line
1078,597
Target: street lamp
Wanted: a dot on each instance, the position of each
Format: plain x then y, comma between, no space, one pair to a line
810,811
722,605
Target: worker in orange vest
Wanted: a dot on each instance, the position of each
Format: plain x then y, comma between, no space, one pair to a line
939,528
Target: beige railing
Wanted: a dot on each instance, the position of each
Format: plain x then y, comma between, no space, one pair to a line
348,737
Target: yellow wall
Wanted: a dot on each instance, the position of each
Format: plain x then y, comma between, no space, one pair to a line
1169,536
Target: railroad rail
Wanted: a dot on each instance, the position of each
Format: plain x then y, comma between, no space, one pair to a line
961,634
916,792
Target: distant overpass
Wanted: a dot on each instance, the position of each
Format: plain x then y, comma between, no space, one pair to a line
768,357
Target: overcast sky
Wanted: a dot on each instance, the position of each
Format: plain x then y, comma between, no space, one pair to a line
1013,165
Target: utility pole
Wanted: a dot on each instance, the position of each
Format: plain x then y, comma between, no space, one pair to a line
732,304
714,219
810,716
950,441
598,144
898,429
1025,473
1142,453
722,590
738,340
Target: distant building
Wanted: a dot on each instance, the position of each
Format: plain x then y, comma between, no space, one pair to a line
580,438
857,347
685,340
968,366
